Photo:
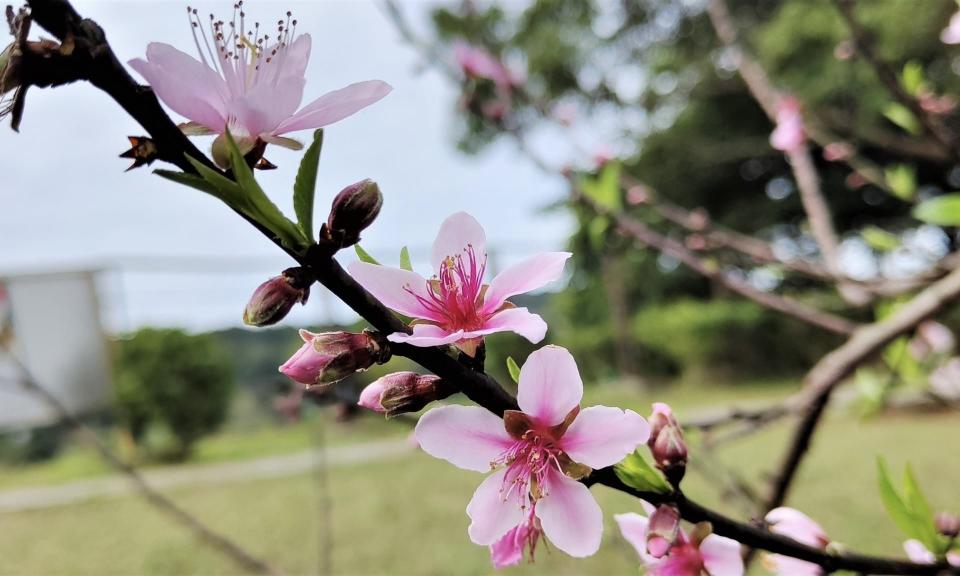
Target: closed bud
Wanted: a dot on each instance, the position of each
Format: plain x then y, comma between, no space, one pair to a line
353,209
273,299
947,524
667,444
663,530
328,357
403,392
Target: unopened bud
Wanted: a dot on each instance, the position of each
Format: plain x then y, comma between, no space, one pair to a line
403,392
328,357
667,444
663,530
273,299
947,524
353,209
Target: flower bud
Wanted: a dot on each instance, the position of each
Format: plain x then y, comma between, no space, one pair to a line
273,299
353,209
667,444
947,524
663,530
328,357
403,392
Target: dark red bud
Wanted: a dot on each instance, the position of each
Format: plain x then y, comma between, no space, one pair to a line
352,211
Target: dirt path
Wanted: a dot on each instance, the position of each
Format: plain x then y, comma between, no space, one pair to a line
20,499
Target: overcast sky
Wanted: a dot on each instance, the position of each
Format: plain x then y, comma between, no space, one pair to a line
68,204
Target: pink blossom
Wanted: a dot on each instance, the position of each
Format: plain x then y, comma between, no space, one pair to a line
789,134
945,380
838,151
536,453
248,81
919,553
477,62
932,337
798,526
455,306
951,34
688,556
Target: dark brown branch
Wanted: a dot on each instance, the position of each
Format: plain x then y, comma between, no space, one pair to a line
108,74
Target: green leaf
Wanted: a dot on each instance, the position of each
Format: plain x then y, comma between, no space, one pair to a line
193,181
405,259
260,207
924,523
637,473
902,181
364,256
513,369
912,77
879,239
605,189
940,211
891,500
902,117
305,186
230,190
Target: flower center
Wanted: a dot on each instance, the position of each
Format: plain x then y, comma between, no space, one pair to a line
528,461
455,294
239,54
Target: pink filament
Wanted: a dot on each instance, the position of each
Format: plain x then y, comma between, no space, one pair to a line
454,295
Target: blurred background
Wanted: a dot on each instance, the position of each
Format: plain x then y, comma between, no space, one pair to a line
122,294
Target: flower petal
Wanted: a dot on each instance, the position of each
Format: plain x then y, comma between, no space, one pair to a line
397,289
456,233
468,437
186,85
918,553
520,320
795,524
335,106
491,515
601,436
633,528
721,556
266,105
532,273
571,517
426,335
550,385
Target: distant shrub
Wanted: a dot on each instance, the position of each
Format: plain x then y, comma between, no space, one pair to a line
172,388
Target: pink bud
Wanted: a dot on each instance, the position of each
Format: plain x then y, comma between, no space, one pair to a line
838,151
663,530
273,299
353,210
789,134
331,356
403,392
947,524
667,444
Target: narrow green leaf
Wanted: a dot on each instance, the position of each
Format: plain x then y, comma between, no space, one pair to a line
940,211
230,189
605,189
896,508
405,259
902,117
191,180
513,369
902,181
912,77
879,239
924,524
305,186
637,473
364,256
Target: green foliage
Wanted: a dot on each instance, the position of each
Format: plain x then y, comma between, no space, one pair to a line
902,117
305,185
637,473
941,211
172,384
909,509
879,239
902,179
513,369
364,256
405,259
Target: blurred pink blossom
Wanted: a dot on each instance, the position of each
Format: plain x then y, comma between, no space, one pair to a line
951,34
798,526
919,553
838,151
477,62
789,134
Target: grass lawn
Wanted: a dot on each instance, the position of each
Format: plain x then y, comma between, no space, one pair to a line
407,516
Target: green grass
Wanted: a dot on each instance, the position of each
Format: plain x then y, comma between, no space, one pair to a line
407,516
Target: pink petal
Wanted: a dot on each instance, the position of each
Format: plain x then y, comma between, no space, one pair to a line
508,550
491,515
787,566
266,105
289,63
918,553
633,528
601,436
335,106
721,556
426,335
397,289
571,517
520,320
550,385
468,437
186,85
532,273
951,34
794,524
953,558
456,233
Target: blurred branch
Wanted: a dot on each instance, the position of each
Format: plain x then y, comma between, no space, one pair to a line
219,542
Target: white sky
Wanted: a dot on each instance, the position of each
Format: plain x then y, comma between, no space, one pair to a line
65,201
